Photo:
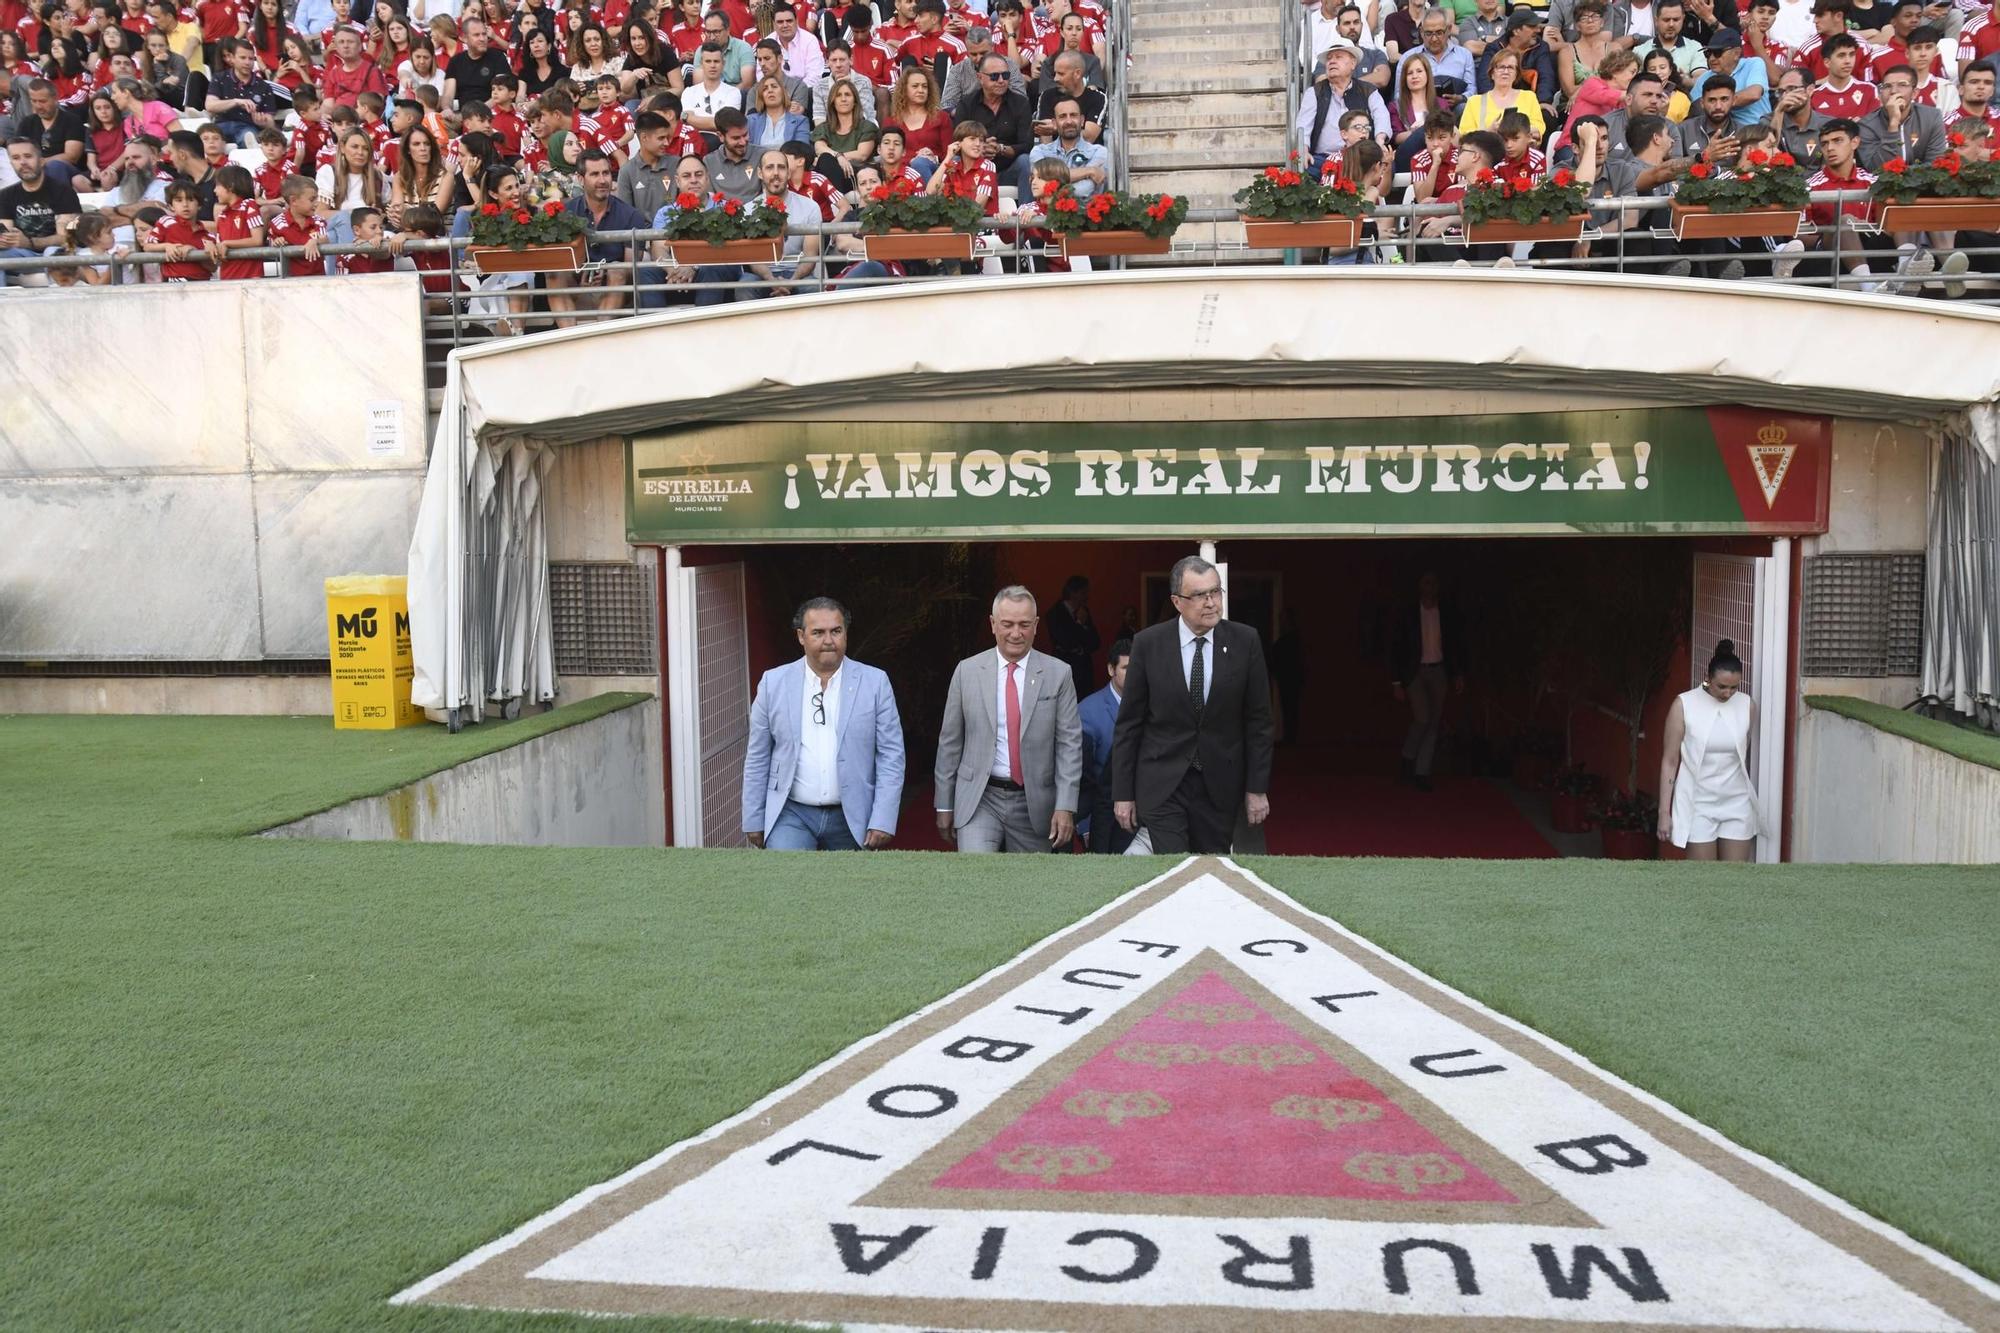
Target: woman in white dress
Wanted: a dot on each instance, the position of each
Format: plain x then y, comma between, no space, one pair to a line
1707,804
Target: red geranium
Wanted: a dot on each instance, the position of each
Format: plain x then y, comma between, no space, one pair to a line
552,207
1895,166
1700,171
1274,173
1066,204
1485,176
688,200
1758,157
776,201
1957,139
1949,162
1783,160
731,207
489,209
523,219
1564,176
880,192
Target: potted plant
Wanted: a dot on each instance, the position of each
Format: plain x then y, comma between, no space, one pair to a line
1552,209
1945,194
1571,797
530,238
1629,824
899,225
1282,209
1110,223
725,231
1764,194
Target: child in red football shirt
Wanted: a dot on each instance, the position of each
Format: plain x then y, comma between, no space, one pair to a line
298,223
368,231
238,225
214,147
965,172
310,133
508,127
270,177
178,235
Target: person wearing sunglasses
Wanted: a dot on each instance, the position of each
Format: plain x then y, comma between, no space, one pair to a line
824,767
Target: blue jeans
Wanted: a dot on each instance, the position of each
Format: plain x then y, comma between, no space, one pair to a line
20,252
867,268
923,166
241,133
717,273
810,828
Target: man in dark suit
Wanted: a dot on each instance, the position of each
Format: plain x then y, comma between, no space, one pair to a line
1099,713
1193,743
1428,650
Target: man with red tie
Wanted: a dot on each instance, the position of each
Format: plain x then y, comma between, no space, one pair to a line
1010,752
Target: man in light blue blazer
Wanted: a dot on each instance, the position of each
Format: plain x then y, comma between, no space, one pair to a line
825,767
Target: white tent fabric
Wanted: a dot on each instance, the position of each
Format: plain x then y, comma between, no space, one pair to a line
1961,659
1658,340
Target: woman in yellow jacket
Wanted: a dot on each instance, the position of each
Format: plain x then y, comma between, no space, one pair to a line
1483,112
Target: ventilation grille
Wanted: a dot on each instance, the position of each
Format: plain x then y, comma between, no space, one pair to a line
1864,615
603,619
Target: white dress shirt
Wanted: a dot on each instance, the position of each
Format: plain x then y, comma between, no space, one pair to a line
1207,659
817,780
700,100
1432,633
1000,754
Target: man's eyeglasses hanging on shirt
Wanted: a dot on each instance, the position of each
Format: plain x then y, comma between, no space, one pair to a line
819,708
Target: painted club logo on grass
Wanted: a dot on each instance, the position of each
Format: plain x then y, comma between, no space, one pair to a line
1206,1107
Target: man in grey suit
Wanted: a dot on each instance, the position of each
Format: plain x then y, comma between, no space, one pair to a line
824,768
1010,752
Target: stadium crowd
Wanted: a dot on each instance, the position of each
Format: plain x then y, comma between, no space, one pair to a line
134,125
195,133
1630,97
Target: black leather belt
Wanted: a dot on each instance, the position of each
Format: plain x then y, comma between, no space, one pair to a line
1004,785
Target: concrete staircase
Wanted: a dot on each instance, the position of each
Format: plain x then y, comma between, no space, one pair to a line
1206,109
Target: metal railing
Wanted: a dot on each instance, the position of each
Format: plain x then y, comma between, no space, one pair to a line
643,282
1291,49
1118,69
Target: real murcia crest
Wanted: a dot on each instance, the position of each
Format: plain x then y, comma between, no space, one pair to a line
1204,1107
1771,459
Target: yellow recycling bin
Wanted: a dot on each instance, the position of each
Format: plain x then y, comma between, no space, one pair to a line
368,632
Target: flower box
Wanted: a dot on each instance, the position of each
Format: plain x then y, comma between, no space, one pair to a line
565,258
1112,242
694,254
1485,233
932,243
1935,213
1332,232
1693,222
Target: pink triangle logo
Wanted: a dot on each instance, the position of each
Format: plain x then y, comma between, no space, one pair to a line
1209,1095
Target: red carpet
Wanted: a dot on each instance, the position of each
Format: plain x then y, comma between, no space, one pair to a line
1321,814
1314,815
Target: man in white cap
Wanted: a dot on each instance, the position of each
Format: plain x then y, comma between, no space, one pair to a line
1318,124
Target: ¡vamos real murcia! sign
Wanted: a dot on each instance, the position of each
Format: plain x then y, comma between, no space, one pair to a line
1204,1108
1643,470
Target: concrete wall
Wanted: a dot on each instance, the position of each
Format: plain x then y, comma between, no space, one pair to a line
596,784
1867,795
177,696
188,508
1880,502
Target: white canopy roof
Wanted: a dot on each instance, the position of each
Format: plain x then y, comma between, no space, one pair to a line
1658,340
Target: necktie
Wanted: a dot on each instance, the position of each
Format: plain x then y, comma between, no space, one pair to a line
1197,678
1013,726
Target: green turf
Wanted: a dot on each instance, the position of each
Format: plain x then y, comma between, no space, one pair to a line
1976,747
256,1083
